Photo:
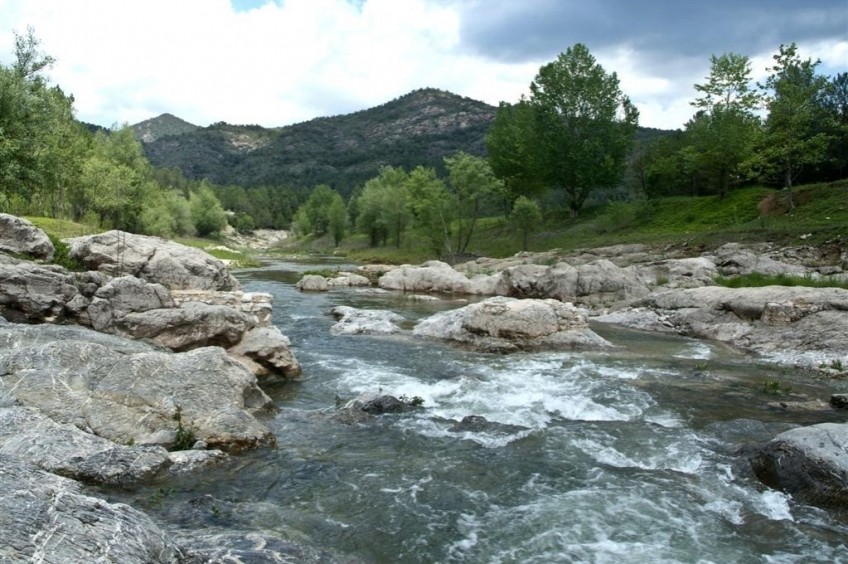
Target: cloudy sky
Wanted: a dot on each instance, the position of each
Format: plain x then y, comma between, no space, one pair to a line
276,62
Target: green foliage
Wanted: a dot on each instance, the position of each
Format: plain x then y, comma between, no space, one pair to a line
775,388
791,137
167,214
526,217
381,209
184,437
472,182
206,212
584,125
432,208
511,146
61,257
756,280
337,216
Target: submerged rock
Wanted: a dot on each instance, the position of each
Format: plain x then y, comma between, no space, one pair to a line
353,321
503,324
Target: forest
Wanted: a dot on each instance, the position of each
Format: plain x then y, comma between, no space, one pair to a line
572,143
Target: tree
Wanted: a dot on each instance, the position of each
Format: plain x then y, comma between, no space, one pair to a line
431,207
206,211
835,105
584,125
381,208
791,140
337,216
472,180
512,151
525,217
725,127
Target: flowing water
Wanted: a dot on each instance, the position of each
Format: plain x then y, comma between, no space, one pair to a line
625,456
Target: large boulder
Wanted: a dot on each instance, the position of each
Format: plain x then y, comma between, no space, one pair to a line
135,397
20,236
809,462
503,324
733,258
34,293
47,518
432,276
267,353
192,325
122,296
312,283
175,266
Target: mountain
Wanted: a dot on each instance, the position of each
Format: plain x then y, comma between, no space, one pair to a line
165,125
421,127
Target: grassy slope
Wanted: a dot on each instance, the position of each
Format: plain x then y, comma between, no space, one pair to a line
752,214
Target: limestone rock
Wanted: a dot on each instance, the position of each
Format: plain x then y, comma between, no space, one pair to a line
312,283
19,235
733,258
503,324
133,397
432,276
267,352
35,293
351,279
122,296
811,463
47,518
353,321
175,266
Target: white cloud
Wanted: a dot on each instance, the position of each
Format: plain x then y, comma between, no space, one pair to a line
289,61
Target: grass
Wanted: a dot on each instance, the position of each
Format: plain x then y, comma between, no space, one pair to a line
63,228
757,280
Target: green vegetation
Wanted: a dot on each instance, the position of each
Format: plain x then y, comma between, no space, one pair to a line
775,388
184,437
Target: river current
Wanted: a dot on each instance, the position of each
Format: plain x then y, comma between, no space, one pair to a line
635,455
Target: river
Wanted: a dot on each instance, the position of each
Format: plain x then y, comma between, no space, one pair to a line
624,456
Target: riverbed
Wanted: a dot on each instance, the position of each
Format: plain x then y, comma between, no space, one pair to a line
630,455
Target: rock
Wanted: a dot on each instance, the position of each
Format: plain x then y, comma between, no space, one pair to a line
839,401
266,352
133,397
353,321
122,296
345,279
20,236
502,324
312,283
190,461
156,260
762,320
192,325
364,407
65,450
432,276
808,462
34,293
47,518
479,424
733,258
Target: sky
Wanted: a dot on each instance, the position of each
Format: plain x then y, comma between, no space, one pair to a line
278,62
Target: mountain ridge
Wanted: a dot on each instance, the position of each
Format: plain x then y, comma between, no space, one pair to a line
421,127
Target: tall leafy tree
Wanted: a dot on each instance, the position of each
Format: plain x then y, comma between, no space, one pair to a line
526,217
337,217
835,105
472,181
792,138
432,208
511,145
584,125
382,209
725,128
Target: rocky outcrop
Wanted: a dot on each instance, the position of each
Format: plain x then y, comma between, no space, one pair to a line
811,463
267,353
799,325
47,518
35,293
156,260
133,396
353,321
733,258
318,283
503,324
20,236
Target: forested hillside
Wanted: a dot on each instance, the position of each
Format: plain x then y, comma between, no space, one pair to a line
420,128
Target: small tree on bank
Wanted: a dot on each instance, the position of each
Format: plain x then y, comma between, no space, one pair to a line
526,217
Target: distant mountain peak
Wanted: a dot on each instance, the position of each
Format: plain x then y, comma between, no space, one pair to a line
164,125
